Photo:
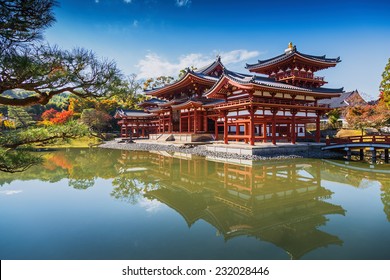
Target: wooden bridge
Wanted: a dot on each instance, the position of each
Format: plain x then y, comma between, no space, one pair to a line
372,143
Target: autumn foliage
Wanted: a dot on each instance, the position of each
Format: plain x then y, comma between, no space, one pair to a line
52,117
365,116
49,114
57,160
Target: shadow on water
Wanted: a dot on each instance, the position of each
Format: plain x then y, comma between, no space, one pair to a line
13,161
281,202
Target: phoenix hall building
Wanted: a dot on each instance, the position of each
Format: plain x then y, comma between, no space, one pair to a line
275,104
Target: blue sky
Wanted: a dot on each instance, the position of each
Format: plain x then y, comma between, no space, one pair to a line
151,38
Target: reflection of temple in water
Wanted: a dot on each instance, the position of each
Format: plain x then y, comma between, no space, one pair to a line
278,202
360,175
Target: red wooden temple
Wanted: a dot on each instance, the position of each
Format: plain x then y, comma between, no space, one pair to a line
276,106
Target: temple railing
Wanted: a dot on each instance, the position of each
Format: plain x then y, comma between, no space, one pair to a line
299,75
248,100
377,139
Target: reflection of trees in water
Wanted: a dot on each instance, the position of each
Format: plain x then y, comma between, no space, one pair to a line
83,166
385,197
277,202
13,161
360,176
80,166
130,189
281,202
81,184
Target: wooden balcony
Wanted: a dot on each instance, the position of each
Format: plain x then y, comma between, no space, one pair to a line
308,78
375,139
269,101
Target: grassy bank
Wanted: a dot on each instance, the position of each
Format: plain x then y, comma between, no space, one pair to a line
349,132
83,142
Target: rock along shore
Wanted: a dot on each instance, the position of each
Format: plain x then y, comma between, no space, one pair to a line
200,150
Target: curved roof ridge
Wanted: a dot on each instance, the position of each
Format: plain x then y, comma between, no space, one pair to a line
188,72
292,52
320,57
206,69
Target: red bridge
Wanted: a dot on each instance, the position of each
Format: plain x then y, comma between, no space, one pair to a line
373,143
361,141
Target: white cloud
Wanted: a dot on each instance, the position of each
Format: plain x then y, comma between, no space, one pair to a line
135,23
151,206
183,3
127,1
237,56
152,65
96,1
10,192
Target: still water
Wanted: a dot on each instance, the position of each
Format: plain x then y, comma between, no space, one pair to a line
110,204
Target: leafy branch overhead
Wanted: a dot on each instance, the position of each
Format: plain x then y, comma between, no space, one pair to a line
43,70
24,20
48,71
43,135
384,87
17,161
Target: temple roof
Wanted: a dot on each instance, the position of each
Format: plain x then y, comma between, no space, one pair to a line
290,54
189,206
173,102
344,100
188,104
196,102
132,113
183,82
208,75
251,81
152,101
209,69
212,102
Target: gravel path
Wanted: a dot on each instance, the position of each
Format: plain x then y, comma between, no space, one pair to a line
200,150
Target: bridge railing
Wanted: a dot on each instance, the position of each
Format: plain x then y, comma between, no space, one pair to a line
381,139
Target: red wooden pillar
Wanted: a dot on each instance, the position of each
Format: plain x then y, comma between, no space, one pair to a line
205,125
246,133
137,127
318,128
195,120
252,125
225,128
265,133
237,131
289,131
216,128
163,123
170,121
293,134
189,121
180,121
159,123
274,111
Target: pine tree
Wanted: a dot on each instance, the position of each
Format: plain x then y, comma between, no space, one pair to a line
43,70
19,116
385,84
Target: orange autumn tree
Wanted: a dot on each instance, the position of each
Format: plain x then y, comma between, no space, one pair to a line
384,87
49,114
53,117
78,105
62,117
368,116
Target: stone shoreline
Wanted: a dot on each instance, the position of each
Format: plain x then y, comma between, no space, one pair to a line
200,150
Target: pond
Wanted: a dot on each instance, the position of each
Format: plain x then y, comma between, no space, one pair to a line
112,204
